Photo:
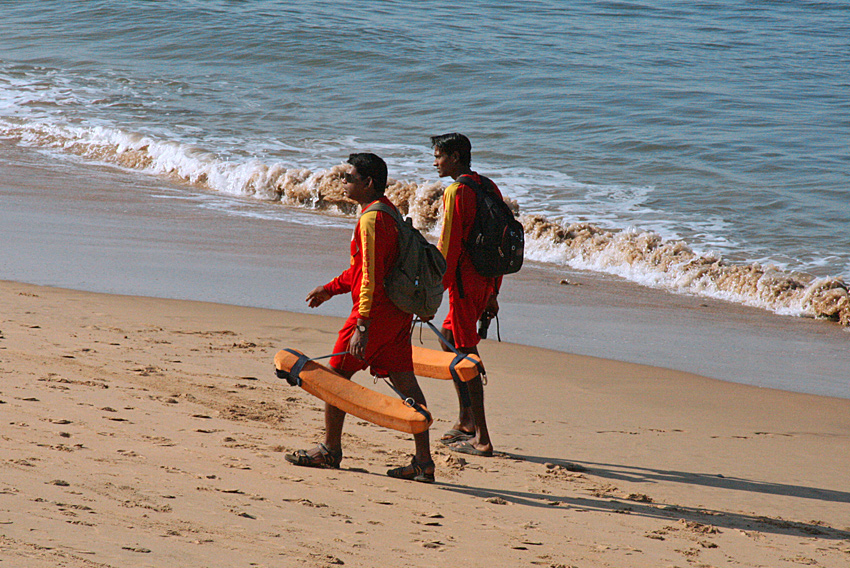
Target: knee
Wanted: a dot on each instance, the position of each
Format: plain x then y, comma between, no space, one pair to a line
406,383
449,336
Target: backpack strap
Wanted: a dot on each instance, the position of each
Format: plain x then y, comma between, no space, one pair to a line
459,280
467,179
379,206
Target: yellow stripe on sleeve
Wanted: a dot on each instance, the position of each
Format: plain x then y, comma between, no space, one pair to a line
449,201
368,243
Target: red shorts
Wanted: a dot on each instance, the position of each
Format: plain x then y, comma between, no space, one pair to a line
465,312
387,351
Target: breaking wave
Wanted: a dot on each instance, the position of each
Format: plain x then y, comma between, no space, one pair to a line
641,256
646,258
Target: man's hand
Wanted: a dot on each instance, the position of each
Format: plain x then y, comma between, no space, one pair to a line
359,339
318,297
492,306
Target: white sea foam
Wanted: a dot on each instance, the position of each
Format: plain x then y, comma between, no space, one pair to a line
651,258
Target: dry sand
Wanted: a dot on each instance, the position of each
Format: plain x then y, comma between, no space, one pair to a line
147,432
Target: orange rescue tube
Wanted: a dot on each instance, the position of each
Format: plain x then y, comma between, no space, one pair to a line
352,398
437,364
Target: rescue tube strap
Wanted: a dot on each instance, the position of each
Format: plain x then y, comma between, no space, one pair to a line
410,402
292,376
462,389
458,356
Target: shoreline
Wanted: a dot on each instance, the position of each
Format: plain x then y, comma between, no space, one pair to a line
101,229
158,424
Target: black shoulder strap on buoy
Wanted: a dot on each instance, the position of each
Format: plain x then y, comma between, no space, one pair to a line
458,356
462,389
410,402
292,375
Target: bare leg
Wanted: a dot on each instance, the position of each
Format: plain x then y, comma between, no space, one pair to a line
472,419
328,454
334,420
465,422
407,385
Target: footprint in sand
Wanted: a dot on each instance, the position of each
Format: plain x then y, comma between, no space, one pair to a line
639,498
433,522
139,549
433,544
327,559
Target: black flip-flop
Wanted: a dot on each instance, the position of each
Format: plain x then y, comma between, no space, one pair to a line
465,447
453,436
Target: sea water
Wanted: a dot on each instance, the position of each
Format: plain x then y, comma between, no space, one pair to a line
698,147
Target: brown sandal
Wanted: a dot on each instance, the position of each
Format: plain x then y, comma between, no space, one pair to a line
422,472
324,458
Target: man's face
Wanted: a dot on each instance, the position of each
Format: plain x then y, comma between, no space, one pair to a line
356,187
446,164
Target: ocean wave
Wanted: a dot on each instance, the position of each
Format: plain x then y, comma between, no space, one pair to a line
648,259
319,190
644,257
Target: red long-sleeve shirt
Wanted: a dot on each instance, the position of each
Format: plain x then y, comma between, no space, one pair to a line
374,248
459,207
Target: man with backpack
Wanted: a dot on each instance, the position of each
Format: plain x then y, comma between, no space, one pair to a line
376,334
472,295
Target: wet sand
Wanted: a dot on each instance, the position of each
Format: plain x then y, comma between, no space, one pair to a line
105,230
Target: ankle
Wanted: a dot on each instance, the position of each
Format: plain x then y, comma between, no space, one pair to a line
426,463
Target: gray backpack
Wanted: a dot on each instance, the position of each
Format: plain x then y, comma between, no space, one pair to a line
415,283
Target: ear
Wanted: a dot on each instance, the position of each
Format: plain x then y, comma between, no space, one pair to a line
371,186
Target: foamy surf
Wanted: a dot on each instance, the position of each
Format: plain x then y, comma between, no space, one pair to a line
644,257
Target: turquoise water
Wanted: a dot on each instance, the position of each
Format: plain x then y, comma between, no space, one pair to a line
717,128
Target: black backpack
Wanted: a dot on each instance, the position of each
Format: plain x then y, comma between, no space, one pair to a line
415,282
496,241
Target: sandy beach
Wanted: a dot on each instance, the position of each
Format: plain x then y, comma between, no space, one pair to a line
668,376
148,432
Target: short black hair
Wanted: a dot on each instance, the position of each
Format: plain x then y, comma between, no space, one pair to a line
454,142
371,166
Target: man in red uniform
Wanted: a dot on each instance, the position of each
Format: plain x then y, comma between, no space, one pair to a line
376,334
471,295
